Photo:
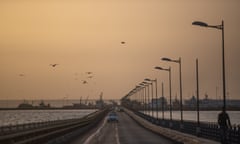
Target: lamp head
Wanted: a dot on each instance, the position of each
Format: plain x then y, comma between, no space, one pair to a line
160,68
199,23
166,59
146,83
147,79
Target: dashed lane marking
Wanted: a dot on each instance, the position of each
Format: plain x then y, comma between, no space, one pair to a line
116,134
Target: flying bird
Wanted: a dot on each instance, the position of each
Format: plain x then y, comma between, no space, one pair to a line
84,82
21,75
54,65
90,76
123,42
88,72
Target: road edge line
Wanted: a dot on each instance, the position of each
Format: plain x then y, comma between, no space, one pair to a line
87,141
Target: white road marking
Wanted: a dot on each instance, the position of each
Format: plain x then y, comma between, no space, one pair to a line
87,141
116,134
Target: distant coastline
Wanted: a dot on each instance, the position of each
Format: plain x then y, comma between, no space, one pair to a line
50,104
89,104
52,108
84,108
55,104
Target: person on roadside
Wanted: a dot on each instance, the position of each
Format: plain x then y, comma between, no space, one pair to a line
225,124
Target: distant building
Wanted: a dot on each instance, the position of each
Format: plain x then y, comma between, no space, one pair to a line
26,105
207,103
162,101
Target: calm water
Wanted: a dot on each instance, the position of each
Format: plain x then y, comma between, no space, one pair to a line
207,116
53,103
12,117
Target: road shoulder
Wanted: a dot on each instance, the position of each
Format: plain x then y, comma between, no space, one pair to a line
169,133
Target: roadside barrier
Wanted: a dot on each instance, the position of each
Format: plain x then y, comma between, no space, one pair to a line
207,130
44,132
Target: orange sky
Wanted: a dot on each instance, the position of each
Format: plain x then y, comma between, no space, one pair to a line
86,35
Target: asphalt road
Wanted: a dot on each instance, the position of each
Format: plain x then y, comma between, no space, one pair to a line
127,131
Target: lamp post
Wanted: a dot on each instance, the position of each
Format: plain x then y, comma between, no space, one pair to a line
148,99
156,98
138,97
163,103
155,80
197,80
219,27
144,96
152,94
180,81
141,96
170,88
133,98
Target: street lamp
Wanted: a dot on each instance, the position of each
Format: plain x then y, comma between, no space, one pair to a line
180,77
144,96
162,103
148,99
138,97
220,27
147,79
152,94
170,87
203,24
197,80
134,93
141,96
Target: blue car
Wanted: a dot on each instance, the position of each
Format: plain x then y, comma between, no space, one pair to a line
112,117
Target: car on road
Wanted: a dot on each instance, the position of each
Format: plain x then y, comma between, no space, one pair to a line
112,117
121,109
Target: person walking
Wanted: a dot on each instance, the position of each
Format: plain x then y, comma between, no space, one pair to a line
225,124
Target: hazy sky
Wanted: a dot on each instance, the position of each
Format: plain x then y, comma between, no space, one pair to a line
86,35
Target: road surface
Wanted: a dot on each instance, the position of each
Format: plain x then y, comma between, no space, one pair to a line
127,131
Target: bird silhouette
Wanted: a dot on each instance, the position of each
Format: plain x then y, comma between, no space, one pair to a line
21,75
90,76
88,72
123,42
54,65
84,82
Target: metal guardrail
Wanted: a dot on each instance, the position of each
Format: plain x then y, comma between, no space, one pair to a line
10,129
39,133
205,129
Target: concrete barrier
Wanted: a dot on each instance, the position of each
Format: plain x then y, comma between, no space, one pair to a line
59,131
169,133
